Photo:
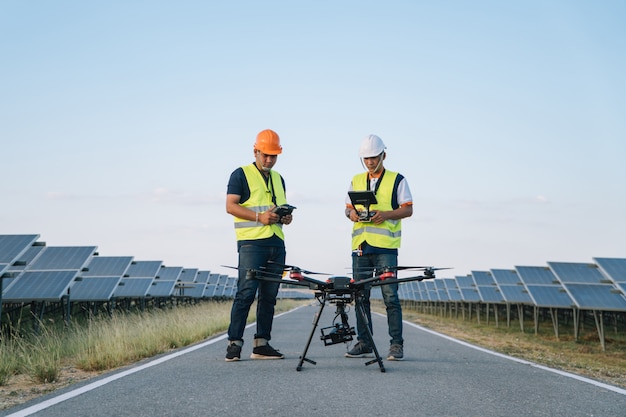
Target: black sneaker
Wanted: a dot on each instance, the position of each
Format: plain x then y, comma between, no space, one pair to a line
233,352
396,353
266,352
360,350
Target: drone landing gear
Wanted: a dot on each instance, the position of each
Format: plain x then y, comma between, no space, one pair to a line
360,310
340,333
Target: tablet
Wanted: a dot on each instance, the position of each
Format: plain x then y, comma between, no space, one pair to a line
364,198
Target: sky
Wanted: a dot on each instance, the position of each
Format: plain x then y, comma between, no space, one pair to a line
121,122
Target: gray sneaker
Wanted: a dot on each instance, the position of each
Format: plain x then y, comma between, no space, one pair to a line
360,350
396,353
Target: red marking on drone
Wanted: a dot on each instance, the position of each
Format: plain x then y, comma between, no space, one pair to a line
296,275
387,275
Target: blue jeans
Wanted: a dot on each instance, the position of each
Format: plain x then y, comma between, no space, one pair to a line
363,267
254,257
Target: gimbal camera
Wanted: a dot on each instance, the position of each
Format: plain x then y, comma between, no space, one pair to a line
340,332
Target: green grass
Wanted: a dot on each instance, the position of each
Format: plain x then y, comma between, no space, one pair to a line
583,357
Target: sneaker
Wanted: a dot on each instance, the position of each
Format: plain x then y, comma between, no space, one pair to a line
266,352
396,353
233,352
360,350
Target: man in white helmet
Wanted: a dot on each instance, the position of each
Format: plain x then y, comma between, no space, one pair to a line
375,242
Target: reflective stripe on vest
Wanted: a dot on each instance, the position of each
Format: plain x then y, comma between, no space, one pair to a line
387,234
260,200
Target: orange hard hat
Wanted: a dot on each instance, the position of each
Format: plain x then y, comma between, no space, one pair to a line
268,142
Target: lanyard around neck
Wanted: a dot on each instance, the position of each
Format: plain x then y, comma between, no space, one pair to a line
369,181
268,182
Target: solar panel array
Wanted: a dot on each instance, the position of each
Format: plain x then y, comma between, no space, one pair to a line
584,286
598,288
33,272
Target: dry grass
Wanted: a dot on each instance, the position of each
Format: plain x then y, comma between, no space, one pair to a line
31,367
583,357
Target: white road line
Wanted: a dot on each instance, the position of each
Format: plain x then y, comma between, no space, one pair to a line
511,358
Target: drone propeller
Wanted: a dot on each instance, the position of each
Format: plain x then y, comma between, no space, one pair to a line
296,275
393,268
260,272
298,269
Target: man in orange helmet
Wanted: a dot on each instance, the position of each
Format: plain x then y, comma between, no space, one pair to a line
253,191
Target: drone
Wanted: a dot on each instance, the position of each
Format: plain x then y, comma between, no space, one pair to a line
341,291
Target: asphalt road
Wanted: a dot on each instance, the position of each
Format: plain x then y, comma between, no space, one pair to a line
439,377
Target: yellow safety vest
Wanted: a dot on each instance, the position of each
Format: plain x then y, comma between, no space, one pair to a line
260,200
388,233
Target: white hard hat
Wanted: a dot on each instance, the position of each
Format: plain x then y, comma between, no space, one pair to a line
371,146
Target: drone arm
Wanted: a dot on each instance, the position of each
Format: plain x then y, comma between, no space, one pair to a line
407,279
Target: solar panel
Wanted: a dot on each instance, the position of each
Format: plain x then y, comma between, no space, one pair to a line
39,286
133,288
470,295
454,294
506,276
403,291
577,272
465,281
412,290
161,288
220,286
486,286
230,287
107,266
4,268
58,258
468,290
428,288
189,274
13,270
425,295
541,275
143,269
169,273
490,294
597,297
553,296
27,258
515,294
192,290
483,278
588,287
544,288
415,291
212,285
203,277
511,286
441,290
615,268
14,246
94,289
49,275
